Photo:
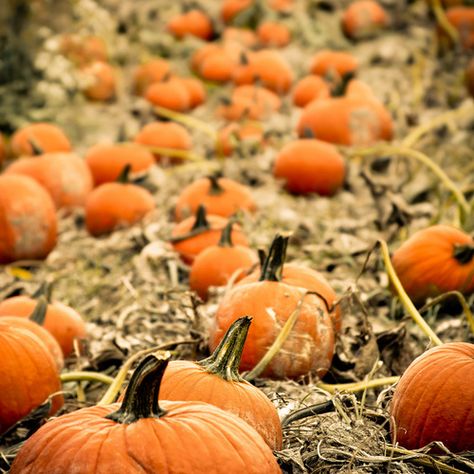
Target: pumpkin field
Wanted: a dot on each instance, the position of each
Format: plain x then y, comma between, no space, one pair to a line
236,236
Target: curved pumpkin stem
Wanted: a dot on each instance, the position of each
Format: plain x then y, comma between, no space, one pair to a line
37,150
215,188
124,176
272,267
226,236
340,89
225,360
39,312
141,395
201,224
46,290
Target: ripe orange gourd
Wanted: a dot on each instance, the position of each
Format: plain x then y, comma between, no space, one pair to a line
433,399
44,136
28,375
270,301
171,94
154,70
164,135
196,90
103,81
273,34
234,135
217,264
28,223
117,204
216,380
231,8
310,166
310,88
220,196
243,36
470,77
435,260
462,18
363,18
65,176
144,435
193,22
196,233
333,64
83,49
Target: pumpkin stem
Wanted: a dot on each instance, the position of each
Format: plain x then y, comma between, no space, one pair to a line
141,395
226,236
215,188
262,255
37,150
340,89
273,265
225,360
201,219
39,313
124,176
463,253
122,134
308,133
46,290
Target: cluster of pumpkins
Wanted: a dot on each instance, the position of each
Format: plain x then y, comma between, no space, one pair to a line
47,176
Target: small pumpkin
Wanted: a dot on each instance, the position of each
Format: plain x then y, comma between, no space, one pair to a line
44,136
165,437
462,18
231,8
193,23
243,36
171,94
233,135
216,380
28,375
28,222
217,264
433,399
435,260
273,34
309,347
310,88
363,18
65,176
102,80
196,90
220,196
196,233
154,70
333,64
117,204
83,49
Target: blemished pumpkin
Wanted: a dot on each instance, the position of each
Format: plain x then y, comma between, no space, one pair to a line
28,222
196,233
273,34
433,399
435,260
220,196
231,8
270,301
63,322
102,81
310,166
65,176
146,74
310,88
143,434
171,94
193,23
233,135
218,264
363,19
216,380
106,161
28,375
333,64
118,204
44,136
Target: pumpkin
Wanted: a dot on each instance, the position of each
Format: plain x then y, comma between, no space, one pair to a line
216,380
102,81
231,8
310,88
217,67
28,223
220,196
65,176
195,233
83,49
462,18
333,64
106,162
44,136
196,90
310,166
164,135
435,260
217,264
233,135
273,34
470,77
194,23
144,435
283,6
363,18
243,36
28,375
154,70
117,204
309,347
171,94
433,399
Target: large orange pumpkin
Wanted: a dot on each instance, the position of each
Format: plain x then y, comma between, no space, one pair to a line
28,223
433,399
435,260
144,435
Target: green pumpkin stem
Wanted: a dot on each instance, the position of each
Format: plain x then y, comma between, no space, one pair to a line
226,236
225,360
124,176
39,312
141,395
464,253
37,150
341,88
262,256
272,268
46,290
215,188
201,224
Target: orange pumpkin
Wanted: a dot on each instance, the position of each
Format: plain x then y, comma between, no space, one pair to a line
193,22
217,264
435,260
310,88
273,34
171,94
310,346
462,18
65,176
196,233
146,74
233,135
106,162
243,36
44,136
220,196
144,435
118,204
102,81
333,64
28,375
83,49
433,399
231,8
363,18
216,380
28,223
196,90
